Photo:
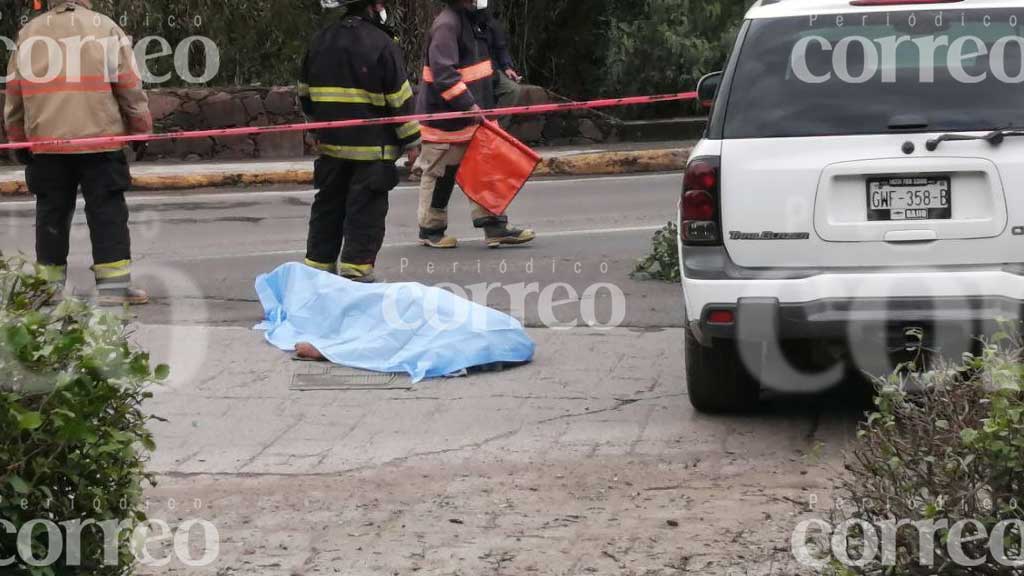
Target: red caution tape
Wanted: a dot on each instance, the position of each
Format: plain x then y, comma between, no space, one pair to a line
514,111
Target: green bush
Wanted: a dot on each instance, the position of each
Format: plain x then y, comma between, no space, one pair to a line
73,439
943,445
663,261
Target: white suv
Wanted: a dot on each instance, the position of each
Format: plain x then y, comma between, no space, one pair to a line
860,184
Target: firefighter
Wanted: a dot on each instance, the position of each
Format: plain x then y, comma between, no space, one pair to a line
355,69
457,76
102,97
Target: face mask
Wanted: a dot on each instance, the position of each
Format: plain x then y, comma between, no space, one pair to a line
481,4
382,16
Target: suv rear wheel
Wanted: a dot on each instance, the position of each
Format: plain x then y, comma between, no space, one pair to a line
716,378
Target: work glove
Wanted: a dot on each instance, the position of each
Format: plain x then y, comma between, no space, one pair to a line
23,156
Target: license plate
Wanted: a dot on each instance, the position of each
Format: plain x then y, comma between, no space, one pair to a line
910,198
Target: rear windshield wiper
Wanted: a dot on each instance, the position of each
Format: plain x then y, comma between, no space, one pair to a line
995,137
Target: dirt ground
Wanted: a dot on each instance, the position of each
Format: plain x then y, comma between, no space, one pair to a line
639,516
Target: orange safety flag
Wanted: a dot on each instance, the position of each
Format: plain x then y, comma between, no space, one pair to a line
495,168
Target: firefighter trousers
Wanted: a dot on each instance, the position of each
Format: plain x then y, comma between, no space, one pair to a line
349,211
438,164
55,179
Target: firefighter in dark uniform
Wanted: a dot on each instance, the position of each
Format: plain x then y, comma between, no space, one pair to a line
458,76
355,69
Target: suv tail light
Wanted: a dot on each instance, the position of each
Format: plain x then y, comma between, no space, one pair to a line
699,220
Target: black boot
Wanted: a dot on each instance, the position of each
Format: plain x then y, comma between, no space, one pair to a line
498,233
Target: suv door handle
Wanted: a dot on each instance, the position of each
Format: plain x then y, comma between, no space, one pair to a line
911,236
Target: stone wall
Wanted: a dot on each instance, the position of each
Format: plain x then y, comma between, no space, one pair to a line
182,110
578,127
187,110
177,110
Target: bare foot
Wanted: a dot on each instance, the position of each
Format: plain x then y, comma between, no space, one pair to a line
306,351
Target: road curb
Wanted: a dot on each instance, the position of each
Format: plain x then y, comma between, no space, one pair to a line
611,163
585,164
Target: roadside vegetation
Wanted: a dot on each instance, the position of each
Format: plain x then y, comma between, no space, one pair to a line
942,446
578,48
663,261
73,438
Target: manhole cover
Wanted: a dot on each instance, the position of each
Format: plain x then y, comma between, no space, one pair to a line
328,377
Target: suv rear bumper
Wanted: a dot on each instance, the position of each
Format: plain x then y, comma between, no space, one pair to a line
764,319
844,303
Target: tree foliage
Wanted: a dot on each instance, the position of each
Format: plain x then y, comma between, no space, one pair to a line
668,46
579,48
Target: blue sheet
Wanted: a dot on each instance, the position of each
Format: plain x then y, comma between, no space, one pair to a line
422,331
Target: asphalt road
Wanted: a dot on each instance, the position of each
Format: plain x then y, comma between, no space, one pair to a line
199,253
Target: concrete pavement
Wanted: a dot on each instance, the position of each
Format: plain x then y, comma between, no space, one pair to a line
228,417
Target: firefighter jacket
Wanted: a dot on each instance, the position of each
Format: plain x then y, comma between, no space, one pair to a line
51,96
458,74
355,70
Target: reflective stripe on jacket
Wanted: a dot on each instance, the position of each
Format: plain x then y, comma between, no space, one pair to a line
355,70
458,74
48,99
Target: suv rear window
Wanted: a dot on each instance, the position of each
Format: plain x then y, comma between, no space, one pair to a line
870,73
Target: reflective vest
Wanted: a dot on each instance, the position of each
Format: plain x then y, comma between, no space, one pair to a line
355,70
457,75
104,97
